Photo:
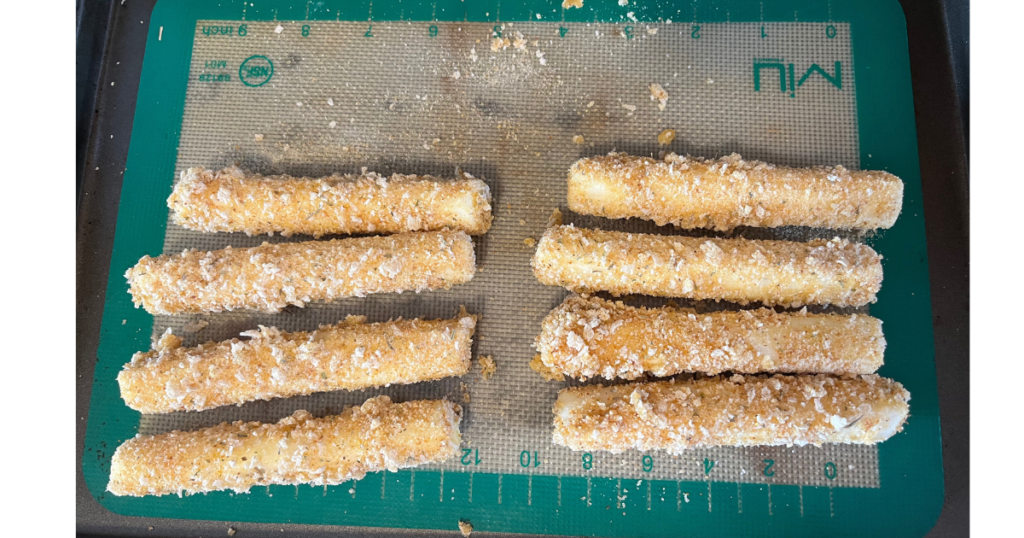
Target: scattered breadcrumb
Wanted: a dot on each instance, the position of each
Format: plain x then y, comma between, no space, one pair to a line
487,367
666,137
566,4
231,531
195,326
529,241
548,374
465,392
590,104
522,222
499,43
577,139
330,101
658,94
520,41
623,2
652,31
465,527
556,218
259,138
279,29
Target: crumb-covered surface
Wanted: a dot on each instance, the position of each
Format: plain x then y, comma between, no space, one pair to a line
269,363
724,193
591,337
272,276
788,273
376,436
232,200
733,410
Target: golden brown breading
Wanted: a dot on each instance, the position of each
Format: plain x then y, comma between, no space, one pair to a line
586,337
270,277
730,411
299,449
273,364
783,273
235,201
729,192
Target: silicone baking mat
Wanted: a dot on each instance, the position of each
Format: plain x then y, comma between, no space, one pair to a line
316,88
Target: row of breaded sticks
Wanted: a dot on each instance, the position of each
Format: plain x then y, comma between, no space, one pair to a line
431,221
774,378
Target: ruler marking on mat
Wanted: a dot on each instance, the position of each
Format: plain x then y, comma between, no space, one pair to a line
769,499
618,494
471,488
679,496
529,491
709,495
831,503
499,489
588,491
383,483
648,494
800,489
739,498
412,485
559,491
441,487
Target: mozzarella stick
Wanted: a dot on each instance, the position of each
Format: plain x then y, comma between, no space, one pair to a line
235,201
729,192
270,277
299,449
587,337
783,273
730,411
351,355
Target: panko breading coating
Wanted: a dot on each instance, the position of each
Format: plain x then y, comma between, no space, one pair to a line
587,337
235,201
724,193
351,355
785,273
299,449
730,411
270,277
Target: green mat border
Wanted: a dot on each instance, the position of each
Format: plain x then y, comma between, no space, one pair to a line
907,504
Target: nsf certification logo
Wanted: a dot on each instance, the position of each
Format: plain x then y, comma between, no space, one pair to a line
255,71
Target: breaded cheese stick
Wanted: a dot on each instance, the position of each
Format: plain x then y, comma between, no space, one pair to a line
728,192
730,411
299,449
235,201
273,364
270,277
783,273
586,337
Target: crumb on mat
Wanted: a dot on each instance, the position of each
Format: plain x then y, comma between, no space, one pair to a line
487,366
